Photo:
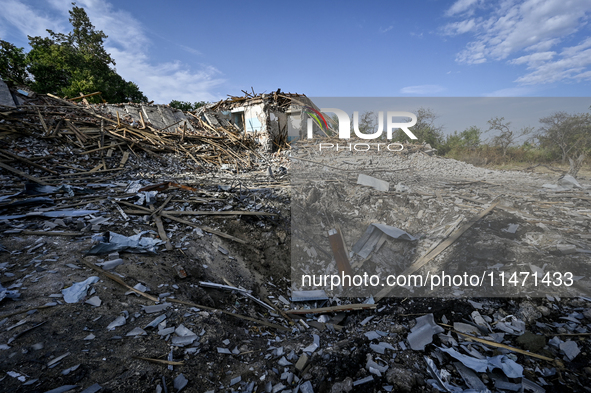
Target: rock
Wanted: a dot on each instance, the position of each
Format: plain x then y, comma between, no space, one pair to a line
281,235
566,248
403,379
544,310
343,387
528,313
531,342
302,361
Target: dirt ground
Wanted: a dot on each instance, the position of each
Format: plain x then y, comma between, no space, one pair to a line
237,344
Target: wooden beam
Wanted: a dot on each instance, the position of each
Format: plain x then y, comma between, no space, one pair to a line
206,229
337,244
215,213
23,174
439,249
26,161
84,96
160,226
322,310
101,148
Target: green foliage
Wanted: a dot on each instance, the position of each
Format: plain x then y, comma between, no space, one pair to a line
13,63
367,123
187,106
77,62
471,138
565,134
425,129
505,136
467,140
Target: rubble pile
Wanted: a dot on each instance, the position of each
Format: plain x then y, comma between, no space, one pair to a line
101,133
165,265
544,226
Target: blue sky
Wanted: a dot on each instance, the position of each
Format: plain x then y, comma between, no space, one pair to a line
196,50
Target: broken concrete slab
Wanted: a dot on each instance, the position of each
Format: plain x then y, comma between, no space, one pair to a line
422,333
378,184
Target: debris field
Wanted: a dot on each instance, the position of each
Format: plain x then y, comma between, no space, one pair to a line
137,258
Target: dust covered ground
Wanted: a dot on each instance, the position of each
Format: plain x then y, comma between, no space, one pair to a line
222,341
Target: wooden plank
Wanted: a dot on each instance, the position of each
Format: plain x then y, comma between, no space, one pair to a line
42,122
439,249
161,231
190,155
96,168
120,281
335,238
221,213
203,213
498,345
160,361
84,96
124,159
206,229
77,132
26,161
22,174
101,148
159,210
44,233
322,310
86,173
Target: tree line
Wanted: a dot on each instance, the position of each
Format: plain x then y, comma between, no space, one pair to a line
68,64
560,137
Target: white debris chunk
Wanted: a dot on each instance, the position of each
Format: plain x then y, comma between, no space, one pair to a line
570,349
94,301
378,184
119,321
137,332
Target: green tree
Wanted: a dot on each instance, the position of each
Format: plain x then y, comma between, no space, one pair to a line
569,134
77,62
187,106
13,63
470,138
506,136
425,129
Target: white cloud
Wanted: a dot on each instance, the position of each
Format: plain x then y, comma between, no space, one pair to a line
128,44
459,27
534,59
461,6
583,76
530,25
526,32
512,92
572,64
422,89
386,29
189,49
15,14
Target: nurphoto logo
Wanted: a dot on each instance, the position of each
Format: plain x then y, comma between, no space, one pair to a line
345,123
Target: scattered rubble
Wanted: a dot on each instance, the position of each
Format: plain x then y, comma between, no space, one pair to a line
101,202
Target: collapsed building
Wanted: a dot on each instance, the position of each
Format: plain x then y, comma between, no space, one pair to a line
270,119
